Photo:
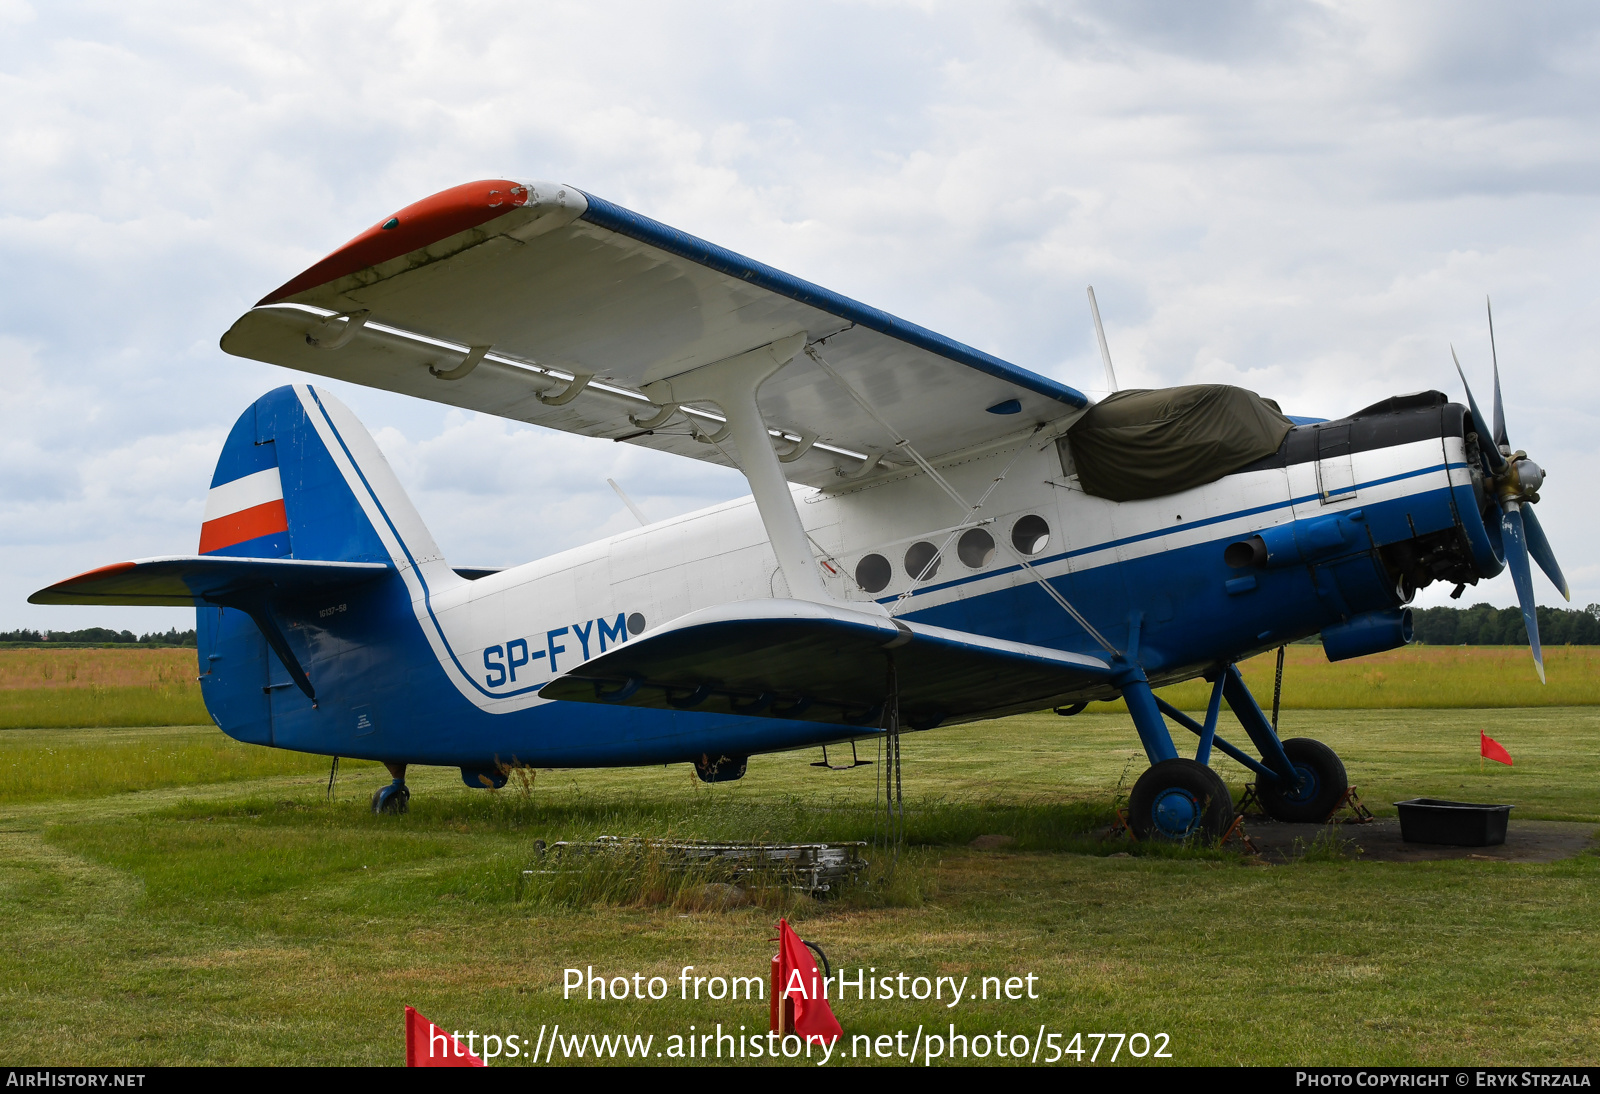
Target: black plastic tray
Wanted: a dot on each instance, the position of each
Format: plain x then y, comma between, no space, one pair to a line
1458,824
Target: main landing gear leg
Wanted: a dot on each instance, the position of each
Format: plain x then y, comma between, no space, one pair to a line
1310,779
396,797
1175,798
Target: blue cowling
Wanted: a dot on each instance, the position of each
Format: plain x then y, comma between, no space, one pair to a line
1307,540
1370,633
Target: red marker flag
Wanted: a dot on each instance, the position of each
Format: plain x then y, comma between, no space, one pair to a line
801,981
429,1046
1490,749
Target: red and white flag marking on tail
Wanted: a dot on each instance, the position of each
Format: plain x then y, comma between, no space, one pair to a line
246,508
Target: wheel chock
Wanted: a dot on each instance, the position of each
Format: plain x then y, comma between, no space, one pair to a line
1121,827
1237,829
1351,803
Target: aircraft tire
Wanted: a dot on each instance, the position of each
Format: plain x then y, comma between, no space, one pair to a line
1177,799
391,799
1325,782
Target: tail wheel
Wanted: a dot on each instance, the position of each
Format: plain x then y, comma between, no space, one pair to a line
394,798
1322,782
1176,799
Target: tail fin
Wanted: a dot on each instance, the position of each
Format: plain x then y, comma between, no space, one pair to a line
302,502
300,477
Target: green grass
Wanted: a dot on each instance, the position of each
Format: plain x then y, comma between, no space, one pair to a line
202,920
1414,678
69,708
136,686
38,765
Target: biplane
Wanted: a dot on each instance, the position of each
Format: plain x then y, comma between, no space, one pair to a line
934,536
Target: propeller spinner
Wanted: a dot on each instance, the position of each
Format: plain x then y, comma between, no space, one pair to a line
1514,481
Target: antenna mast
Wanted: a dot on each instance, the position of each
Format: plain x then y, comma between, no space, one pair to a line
1105,350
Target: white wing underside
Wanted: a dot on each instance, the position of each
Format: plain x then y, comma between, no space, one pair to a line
574,286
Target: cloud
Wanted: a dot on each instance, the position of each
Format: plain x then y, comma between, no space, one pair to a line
1223,32
1307,198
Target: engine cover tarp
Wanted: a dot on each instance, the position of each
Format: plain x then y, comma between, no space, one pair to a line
1146,443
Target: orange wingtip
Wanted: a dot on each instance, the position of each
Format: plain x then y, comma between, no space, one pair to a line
428,221
103,571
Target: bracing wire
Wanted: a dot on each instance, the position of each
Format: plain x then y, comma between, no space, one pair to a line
967,522
968,509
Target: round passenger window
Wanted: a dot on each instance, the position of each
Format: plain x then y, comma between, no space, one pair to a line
873,573
975,548
922,561
1030,534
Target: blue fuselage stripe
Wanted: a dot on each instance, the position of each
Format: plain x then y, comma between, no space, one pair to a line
1112,544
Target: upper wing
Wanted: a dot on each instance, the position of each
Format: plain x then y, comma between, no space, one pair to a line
822,663
516,287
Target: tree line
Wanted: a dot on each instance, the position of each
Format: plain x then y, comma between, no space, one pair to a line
1486,625
102,636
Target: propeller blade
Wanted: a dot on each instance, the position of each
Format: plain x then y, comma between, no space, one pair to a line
1516,545
1486,443
1499,409
1539,548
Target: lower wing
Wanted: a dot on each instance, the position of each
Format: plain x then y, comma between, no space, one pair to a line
819,663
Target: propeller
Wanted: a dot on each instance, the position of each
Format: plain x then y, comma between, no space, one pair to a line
1514,482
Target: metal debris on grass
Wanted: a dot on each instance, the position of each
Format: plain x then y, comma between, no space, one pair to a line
813,868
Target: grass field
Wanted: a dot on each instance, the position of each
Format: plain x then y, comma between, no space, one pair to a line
41,764
156,687
170,897
33,669
99,687
1417,677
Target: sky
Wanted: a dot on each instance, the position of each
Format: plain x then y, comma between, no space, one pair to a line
1311,200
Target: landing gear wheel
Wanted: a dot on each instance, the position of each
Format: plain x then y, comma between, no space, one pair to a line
1176,799
394,798
1322,783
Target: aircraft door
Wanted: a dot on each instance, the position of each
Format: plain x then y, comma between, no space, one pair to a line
1336,478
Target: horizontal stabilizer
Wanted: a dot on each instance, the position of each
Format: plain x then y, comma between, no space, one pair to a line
252,585
196,580
821,663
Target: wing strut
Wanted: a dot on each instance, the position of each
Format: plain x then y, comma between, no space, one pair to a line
732,384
